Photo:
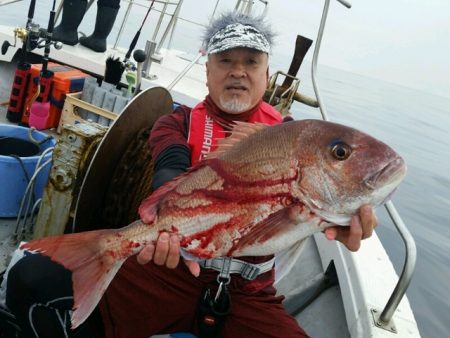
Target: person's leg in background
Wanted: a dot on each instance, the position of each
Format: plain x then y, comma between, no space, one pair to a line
72,14
106,16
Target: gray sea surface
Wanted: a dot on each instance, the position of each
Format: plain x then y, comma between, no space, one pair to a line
414,123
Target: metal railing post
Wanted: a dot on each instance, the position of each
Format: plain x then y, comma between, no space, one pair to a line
384,320
122,25
170,25
323,21
158,24
408,267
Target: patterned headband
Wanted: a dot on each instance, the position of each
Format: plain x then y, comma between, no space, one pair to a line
238,35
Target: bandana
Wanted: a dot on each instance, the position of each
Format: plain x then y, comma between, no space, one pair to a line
238,35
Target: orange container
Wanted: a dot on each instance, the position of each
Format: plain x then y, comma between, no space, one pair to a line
65,80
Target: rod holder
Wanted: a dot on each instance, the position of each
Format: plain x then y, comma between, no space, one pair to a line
150,48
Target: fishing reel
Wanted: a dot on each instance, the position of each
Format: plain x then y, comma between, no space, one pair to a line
29,36
134,70
139,57
32,37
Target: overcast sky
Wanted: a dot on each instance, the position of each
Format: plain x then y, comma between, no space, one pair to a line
400,41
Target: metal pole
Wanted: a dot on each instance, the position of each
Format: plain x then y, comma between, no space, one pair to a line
150,47
184,71
169,26
172,32
408,268
122,25
215,9
158,25
238,4
410,246
345,3
316,57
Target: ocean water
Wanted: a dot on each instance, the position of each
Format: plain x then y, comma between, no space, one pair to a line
414,123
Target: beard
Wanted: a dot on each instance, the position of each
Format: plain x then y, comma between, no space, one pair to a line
234,105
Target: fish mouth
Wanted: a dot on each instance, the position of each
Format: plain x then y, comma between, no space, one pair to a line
392,172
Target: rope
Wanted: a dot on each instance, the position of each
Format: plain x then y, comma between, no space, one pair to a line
130,183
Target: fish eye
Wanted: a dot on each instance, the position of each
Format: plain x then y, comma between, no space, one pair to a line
341,151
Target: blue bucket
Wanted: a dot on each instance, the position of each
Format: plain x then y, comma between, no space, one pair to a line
13,179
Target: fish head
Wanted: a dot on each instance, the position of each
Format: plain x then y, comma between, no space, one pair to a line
342,168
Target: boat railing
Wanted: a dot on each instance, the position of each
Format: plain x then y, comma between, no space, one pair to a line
171,10
246,6
383,320
7,2
60,8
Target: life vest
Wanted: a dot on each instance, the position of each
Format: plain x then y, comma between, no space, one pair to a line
204,131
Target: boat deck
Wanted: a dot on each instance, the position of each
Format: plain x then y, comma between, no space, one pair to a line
162,73
356,272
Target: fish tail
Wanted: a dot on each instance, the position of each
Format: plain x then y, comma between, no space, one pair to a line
86,256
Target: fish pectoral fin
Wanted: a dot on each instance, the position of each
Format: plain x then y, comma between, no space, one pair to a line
188,256
277,222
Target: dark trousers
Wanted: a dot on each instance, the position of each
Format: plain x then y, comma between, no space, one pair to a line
39,294
143,300
109,3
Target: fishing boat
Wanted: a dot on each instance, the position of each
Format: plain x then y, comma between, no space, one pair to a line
331,291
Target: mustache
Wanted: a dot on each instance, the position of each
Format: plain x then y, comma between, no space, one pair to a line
236,85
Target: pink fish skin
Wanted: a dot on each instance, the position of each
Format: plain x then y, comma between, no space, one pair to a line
264,189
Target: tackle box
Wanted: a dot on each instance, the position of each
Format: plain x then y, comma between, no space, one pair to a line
65,80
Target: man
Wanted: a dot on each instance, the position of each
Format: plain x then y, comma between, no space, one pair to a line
237,75
199,297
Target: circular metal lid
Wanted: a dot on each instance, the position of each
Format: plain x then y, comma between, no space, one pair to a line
140,113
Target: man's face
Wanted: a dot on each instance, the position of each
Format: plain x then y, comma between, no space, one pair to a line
237,78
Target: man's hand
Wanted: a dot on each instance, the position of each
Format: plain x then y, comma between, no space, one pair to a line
166,252
361,227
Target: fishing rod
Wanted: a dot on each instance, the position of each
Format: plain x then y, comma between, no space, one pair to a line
138,33
29,36
115,67
32,37
38,104
46,75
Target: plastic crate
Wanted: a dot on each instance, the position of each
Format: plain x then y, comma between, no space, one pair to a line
70,114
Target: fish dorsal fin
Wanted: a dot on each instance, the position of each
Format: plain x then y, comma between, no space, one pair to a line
148,208
240,131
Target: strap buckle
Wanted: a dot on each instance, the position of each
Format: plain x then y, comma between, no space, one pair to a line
250,271
224,277
228,265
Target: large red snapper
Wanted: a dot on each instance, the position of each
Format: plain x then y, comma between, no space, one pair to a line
264,189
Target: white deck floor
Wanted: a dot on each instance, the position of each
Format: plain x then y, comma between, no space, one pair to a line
87,60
